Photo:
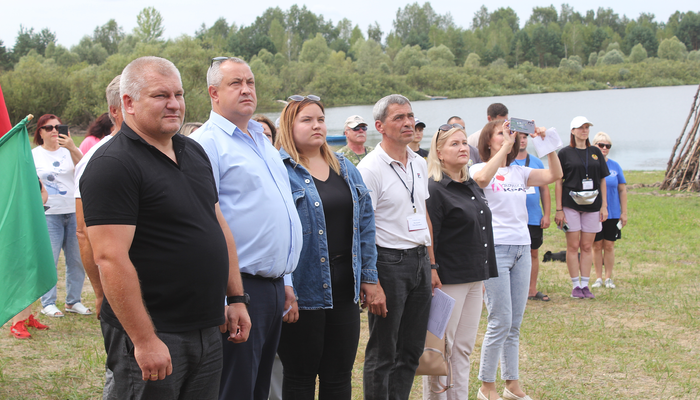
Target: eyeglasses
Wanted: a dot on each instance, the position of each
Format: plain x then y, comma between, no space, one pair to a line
604,146
49,128
447,127
360,128
297,97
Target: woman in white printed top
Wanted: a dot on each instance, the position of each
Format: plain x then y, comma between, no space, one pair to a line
505,188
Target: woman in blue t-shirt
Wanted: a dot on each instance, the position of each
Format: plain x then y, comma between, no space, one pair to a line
604,245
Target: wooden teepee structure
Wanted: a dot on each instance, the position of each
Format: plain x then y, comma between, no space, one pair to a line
683,171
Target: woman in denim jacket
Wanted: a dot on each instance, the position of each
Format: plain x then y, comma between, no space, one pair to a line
337,266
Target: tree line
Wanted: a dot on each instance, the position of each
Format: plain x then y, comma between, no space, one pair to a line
425,53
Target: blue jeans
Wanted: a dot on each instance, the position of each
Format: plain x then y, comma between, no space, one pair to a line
505,298
396,342
62,229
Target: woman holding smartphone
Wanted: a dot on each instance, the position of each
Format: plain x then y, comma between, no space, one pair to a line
582,203
55,158
337,266
505,187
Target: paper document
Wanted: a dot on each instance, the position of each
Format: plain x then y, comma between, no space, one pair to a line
551,142
440,312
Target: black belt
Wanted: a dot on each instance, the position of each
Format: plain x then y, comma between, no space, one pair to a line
263,278
420,250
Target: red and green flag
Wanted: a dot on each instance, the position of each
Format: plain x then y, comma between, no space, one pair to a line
27,269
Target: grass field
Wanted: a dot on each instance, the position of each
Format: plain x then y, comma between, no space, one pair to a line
639,341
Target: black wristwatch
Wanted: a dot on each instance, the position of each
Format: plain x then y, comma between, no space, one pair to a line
434,266
245,299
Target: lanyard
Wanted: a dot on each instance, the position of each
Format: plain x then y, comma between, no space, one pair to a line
413,184
585,163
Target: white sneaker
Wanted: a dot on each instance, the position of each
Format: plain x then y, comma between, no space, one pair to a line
609,284
598,283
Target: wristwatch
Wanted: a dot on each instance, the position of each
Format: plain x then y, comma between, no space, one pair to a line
434,266
245,299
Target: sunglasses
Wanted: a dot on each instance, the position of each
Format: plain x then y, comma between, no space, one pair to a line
447,127
604,146
49,128
297,97
360,128
218,59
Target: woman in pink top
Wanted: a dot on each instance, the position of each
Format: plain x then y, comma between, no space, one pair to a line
98,129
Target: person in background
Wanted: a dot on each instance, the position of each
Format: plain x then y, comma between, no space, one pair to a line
25,319
474,157
493,112
536,220
584,178
604,244
189,127
463,243
398,182
505,187
98,129
355,131
269,129
55,158
417,137
337,268
114,103
256,200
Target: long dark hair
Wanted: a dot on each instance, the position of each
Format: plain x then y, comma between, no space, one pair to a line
485,137
100,127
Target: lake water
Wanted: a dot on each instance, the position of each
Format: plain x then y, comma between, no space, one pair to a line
643,123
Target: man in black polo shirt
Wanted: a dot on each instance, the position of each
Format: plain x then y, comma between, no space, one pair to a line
165,253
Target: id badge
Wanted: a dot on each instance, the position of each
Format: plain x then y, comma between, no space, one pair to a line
416,222
587,184
530,190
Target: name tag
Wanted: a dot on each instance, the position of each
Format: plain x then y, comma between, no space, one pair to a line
530,190
587,184
417,222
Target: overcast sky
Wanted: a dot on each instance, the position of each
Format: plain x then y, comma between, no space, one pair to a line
72,19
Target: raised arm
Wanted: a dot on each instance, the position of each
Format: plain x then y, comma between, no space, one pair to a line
540,177
484,176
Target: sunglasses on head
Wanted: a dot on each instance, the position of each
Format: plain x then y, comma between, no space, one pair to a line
360,128
298,97
49,128
218,59
604,146
447,127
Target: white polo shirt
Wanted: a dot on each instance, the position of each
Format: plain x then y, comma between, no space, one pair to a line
390,183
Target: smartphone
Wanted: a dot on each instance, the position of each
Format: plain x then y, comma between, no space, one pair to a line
63,130
619,225
565,227
522,125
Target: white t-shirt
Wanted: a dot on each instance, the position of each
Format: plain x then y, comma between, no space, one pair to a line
80,166
507,198
391,200
473,139
55,169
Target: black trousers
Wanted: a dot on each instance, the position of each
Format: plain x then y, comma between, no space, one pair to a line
248,366
323,343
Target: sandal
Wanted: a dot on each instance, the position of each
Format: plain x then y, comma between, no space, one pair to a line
52,311
79,308
539,296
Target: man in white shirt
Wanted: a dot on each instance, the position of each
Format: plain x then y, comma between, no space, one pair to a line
398,180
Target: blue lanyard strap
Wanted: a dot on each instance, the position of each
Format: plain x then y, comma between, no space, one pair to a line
413,184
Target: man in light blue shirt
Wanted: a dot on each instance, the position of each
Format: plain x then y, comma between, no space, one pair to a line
256,200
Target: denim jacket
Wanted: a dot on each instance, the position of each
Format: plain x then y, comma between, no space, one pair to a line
312,278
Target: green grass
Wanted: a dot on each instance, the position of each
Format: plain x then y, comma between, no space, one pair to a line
637,341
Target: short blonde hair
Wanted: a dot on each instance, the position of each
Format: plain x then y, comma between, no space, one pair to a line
435,166
601,137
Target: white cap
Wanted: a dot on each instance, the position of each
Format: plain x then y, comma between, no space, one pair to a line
579,122
419,122
353,121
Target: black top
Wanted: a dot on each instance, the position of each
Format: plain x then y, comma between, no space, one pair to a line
573,162
462,232
422,152
179,251
337,210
